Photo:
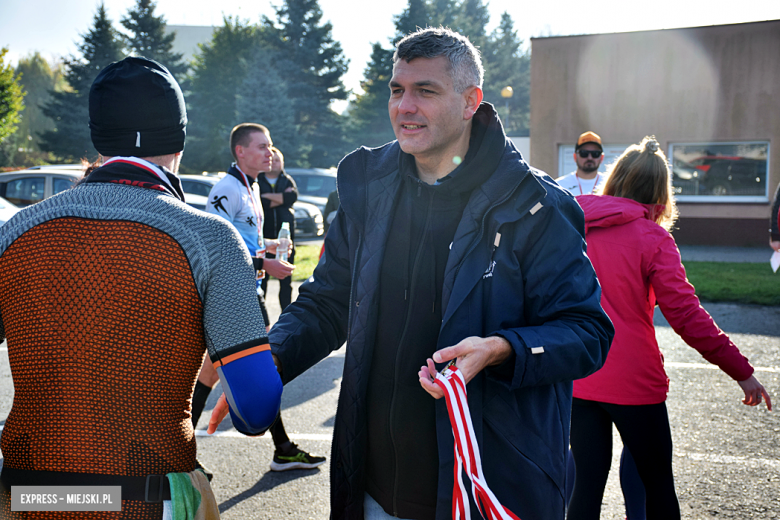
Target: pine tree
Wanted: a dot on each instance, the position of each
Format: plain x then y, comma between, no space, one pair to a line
369,122
262,98
147,37
442,12
472,20
506,64
313,67
416,15
217,72
11,104
38,78
101,46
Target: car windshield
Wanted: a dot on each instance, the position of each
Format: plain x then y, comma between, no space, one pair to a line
202,188
314,185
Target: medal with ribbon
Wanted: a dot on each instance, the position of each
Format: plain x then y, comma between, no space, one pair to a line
467,457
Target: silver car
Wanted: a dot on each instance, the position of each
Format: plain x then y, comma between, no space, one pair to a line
7,210
308,217
26,187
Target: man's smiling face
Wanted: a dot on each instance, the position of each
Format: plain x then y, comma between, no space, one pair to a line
428,116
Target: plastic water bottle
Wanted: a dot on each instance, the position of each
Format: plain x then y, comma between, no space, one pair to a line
284,241
260,253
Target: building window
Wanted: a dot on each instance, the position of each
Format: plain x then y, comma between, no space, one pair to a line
720,172
567,165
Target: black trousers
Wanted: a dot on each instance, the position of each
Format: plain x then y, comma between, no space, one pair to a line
285,284
645,432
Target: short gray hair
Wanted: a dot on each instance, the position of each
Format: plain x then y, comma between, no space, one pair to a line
465,63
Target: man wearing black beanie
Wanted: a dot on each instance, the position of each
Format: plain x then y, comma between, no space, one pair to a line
125,288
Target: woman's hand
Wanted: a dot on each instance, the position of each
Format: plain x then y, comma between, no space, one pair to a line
754,391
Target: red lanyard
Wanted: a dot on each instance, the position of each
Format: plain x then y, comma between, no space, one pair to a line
467,453
258,214
594,184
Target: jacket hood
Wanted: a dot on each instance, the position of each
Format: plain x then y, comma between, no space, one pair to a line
605,211
490,146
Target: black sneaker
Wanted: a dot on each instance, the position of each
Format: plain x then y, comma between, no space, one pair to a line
295,458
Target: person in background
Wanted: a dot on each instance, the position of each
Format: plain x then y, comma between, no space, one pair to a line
278,193
234,198
774,234
121,300
588,154
330,208
638,265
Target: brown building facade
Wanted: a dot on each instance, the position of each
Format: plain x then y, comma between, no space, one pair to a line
710,95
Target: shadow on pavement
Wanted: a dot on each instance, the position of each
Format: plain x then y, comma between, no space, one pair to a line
269,480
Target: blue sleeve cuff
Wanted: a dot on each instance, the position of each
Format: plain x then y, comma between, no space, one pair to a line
253,390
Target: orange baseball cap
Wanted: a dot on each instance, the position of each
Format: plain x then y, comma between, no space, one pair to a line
588,137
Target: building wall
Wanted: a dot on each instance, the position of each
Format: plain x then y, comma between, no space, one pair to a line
703,84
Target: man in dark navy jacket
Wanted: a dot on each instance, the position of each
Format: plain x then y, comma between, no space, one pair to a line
447,245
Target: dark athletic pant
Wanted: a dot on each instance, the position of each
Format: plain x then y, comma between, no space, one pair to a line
645,432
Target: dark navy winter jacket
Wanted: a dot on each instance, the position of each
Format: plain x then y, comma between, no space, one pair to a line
535,287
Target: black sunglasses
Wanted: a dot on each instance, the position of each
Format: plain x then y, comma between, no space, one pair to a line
593,153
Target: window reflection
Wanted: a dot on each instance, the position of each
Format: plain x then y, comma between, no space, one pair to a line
720,170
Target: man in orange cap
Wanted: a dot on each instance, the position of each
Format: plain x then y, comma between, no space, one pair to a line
588,154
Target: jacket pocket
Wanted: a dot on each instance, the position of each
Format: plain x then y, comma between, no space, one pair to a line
531,429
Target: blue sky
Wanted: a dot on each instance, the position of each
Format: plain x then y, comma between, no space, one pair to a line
53,26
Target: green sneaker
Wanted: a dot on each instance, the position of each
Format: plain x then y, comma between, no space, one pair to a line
295,458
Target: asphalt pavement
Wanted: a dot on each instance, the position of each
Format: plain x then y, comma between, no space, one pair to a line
726,455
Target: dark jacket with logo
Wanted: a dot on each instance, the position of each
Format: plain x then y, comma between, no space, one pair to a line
273,217
534,286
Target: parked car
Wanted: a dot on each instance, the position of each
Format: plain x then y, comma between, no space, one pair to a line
736,176
26,187
314,184
7,210
308,218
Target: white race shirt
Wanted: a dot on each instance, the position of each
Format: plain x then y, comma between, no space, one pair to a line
579,186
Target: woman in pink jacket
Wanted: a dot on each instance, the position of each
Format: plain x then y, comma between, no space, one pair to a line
638,265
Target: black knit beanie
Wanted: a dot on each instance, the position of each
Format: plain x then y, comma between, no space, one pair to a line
136,108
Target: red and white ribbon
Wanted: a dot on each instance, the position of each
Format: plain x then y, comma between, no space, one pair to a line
467,453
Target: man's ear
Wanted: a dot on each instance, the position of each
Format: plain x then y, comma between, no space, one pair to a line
473,98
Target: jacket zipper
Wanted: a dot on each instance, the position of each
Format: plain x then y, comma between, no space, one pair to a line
352,287
410,299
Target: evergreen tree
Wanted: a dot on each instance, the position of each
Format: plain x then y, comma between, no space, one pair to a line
416,15
217,72
442,12
38,79
69,109
369,122
262,98
506,64
148,39
11,104
472,20
313,67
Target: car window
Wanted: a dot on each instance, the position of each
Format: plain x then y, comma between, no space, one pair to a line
315,185
197,188
24,192
62,184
